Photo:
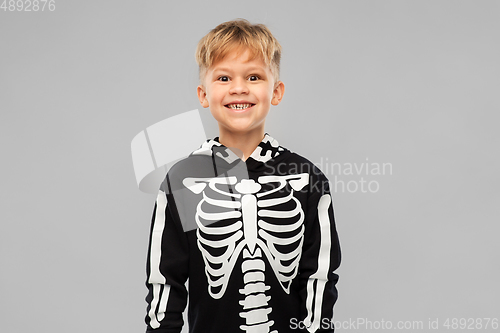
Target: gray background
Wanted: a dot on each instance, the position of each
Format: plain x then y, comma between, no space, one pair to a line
411,83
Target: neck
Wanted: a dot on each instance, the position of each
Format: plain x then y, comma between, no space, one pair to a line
245,142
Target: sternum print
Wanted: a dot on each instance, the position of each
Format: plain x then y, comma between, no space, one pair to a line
249,212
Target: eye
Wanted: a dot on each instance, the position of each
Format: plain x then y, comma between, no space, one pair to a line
223,78
254,77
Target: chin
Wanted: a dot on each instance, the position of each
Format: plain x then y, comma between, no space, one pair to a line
239,129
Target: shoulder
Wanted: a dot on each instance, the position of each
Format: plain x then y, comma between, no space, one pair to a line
303,164
319,183
198,164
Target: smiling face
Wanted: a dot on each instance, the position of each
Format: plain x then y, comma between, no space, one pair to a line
240,93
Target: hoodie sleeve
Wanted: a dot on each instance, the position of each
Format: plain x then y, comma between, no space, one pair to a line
166,267
320,258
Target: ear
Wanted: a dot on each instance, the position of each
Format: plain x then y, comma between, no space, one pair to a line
279,91
202,96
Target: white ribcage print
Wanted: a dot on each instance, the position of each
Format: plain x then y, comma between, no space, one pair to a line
242,222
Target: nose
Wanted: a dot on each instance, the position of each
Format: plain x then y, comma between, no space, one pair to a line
238,86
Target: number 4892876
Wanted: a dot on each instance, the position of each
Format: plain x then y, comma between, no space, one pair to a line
28,5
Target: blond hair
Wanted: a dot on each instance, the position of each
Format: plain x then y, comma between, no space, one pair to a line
237,35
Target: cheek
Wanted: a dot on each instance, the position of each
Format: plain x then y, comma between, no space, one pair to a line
265,94
216,96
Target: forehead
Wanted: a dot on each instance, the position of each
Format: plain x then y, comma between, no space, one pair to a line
239,58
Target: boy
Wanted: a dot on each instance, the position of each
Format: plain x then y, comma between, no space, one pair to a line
249,222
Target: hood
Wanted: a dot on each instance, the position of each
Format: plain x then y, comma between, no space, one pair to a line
267,153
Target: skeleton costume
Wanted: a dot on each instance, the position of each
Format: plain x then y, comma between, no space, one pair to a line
256,238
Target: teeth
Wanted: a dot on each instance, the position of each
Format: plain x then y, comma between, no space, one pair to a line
239,106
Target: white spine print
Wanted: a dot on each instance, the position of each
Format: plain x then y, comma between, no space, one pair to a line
253,234
255,304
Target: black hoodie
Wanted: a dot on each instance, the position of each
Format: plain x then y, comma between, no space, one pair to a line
256,238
